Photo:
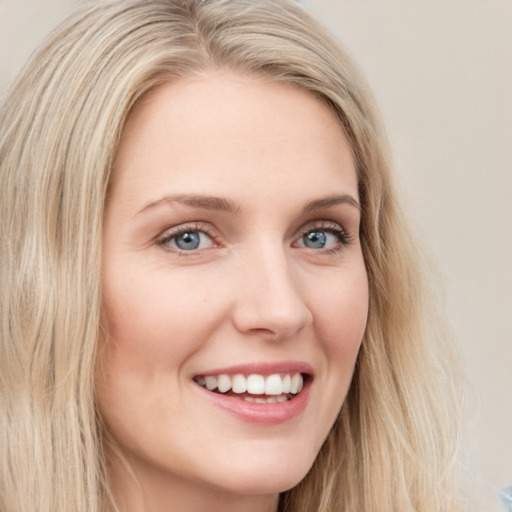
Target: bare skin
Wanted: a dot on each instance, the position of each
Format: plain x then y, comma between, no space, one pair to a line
231,246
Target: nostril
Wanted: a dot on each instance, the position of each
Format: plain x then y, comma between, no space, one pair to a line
272,321
263,332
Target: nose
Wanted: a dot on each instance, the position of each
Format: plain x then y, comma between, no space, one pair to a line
269,301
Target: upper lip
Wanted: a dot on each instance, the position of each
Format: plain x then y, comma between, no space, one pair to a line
263,368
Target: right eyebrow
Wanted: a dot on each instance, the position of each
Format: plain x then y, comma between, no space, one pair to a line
196,201
329,201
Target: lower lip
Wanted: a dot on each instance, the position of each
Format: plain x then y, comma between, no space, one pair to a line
265,414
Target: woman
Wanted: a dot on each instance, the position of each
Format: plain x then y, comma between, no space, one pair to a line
198,216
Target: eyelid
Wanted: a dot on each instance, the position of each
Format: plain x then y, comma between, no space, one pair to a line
206,228
333,227
322,224
196,226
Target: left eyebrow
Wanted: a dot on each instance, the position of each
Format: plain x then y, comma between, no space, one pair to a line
196,201
326,202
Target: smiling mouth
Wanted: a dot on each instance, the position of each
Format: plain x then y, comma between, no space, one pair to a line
255,388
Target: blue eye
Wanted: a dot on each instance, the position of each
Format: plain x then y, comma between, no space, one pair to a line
188,240
331,237
315,239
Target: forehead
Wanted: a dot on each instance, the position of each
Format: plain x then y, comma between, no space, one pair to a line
210,132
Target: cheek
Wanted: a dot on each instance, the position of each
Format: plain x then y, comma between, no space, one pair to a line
341,316
153,329
155,321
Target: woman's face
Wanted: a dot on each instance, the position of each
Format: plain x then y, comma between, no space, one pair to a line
232,261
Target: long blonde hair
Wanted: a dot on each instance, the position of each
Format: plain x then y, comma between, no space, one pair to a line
393,447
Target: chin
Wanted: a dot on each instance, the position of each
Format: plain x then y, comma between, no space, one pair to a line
273,477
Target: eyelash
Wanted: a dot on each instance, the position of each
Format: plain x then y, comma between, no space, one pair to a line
332,228
198,227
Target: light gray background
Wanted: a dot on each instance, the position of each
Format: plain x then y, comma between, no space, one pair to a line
442,74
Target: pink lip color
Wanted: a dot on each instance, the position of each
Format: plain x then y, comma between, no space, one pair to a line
264,414
263,369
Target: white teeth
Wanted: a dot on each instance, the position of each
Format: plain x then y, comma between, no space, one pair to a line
223,383
296,383
273,385
256,384
239,383
211,382
286,383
